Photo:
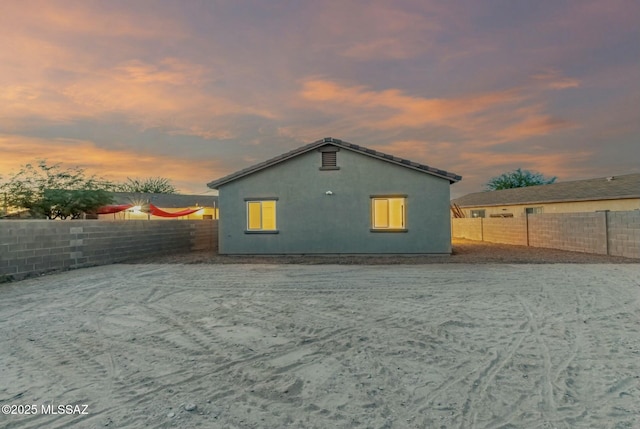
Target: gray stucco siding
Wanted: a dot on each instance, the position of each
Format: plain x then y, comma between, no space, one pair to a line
309,221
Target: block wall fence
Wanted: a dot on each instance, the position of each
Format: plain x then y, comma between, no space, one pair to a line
605,233
31,247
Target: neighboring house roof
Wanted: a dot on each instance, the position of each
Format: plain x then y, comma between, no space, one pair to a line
451,177
165,200
602,188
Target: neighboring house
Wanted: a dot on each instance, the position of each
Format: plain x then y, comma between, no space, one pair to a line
137,205
614,193
334,197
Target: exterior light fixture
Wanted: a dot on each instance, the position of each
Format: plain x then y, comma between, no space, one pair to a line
328,193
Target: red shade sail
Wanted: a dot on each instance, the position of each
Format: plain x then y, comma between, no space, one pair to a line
157,212
114,209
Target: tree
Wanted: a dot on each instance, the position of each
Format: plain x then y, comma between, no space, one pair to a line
53,192
518,179
153,185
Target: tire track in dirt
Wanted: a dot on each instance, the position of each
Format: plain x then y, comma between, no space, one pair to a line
486,377
400,347
547,388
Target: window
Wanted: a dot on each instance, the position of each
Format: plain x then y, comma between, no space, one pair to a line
388,213
533,210
261,215
478,213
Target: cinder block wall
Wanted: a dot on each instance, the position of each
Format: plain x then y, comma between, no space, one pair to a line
469,228
612,233
510,230
29,247
624,233
578,232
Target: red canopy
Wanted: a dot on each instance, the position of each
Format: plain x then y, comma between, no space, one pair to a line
114,209
157,212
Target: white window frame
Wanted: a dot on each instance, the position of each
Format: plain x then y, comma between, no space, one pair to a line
534,210
388,228
261,201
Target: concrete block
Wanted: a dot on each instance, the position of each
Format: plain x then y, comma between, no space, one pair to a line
5,239
13,269
24,268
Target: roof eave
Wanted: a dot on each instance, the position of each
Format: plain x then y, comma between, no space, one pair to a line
571,200
451,177
266,164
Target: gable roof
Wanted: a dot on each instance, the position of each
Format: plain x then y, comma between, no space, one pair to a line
451,177
602,188
164,200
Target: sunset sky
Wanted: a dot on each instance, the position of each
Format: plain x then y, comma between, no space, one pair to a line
194,90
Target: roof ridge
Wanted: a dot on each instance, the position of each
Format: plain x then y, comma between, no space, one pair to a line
452,177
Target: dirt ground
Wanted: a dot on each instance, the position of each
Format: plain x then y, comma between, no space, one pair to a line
324,346
464,252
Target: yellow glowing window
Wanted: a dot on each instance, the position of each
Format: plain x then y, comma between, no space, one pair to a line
261,215
388,213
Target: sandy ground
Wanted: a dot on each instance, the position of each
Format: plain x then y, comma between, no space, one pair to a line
325,346
464,252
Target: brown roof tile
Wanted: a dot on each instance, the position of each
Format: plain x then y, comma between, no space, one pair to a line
602,188
451,177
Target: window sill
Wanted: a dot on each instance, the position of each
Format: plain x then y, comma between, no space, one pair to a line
275,231
389,230
329,168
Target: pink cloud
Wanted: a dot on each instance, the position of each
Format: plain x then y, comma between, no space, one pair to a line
553,79
87,19
376,32
165,94
394,109
172,97
173,71
487,118
435,154
112,164
48,72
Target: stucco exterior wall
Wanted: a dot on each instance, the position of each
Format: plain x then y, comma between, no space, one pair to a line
518,210
311,222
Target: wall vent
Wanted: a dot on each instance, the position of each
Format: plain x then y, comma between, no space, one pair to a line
329,158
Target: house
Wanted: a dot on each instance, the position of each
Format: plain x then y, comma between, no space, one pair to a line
138,205
613,193
334,197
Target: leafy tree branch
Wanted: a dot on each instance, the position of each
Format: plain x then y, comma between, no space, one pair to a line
518,179
52,192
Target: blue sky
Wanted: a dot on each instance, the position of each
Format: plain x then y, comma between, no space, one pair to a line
194,90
